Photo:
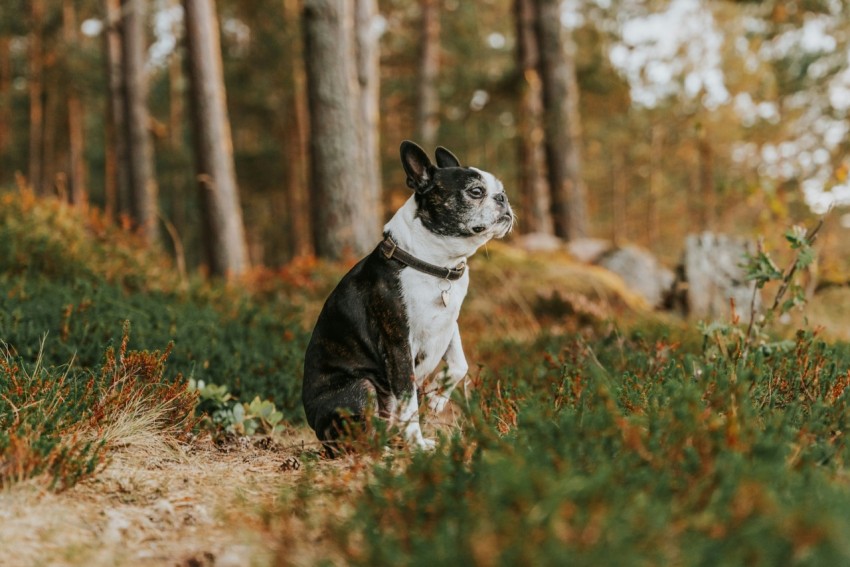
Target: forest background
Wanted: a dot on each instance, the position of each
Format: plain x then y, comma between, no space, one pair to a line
730,116
151,415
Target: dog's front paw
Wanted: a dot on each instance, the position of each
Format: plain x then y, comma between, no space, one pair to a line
437,403
426,444
415,440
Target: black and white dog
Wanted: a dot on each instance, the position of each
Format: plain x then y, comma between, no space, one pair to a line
393,317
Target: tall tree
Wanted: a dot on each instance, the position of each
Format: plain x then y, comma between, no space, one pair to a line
5,99
532,156
707,192
428,97
36,93
116,167
76,141
342,221
367,35
226,246
143,186
298,197
563,126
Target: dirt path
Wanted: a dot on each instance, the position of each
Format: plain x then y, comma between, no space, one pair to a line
196,506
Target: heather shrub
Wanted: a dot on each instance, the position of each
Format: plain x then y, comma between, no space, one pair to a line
625,452
253,348
58,422
76,278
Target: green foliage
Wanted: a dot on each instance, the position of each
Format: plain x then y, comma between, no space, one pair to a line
55,421
629,453
221,412
77,280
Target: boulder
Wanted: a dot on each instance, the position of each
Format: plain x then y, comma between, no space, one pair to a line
712,274
588,250
539,242
641,271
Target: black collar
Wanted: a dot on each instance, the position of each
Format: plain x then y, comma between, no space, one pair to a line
390,250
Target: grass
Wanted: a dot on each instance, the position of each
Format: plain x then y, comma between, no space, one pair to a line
623,452
593,432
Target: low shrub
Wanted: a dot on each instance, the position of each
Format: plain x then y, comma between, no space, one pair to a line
75,278
58,422
253,348
629,453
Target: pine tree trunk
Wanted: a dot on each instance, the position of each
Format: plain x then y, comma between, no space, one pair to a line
227,250
532,156
619,217
76,137
656,176
367,34
143,187
176,94
36,72
117,168
428,96
298,198
5,101
563,126
49,170
708,195
343,223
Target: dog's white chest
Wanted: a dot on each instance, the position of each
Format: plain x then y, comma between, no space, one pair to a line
433,306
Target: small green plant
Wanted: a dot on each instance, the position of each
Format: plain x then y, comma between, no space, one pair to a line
219,411
728,338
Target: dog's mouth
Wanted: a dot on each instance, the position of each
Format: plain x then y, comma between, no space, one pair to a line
506,218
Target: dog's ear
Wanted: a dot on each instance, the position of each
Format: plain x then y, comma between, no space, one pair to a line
417,166
445,158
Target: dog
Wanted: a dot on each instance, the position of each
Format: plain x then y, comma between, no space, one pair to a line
393,317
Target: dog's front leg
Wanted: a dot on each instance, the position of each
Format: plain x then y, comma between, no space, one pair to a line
456,370
409,421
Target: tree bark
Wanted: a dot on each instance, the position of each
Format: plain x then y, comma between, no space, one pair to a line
77,194
532,156
343,223
298,198
143,187
367,36
656,177
227,250
708,195
5,100
117,168
176,94
428,97
563,126
619,172
36,91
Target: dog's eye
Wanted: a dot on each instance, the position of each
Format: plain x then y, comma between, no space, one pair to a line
476,192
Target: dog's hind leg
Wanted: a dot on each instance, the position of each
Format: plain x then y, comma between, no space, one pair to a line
346,414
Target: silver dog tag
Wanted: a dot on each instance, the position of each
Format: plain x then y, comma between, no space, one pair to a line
444,295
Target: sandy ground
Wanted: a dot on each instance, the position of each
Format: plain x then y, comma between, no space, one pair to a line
194,505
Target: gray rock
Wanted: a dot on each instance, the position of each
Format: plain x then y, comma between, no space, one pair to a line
539,242
641,272
712,273
588,250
